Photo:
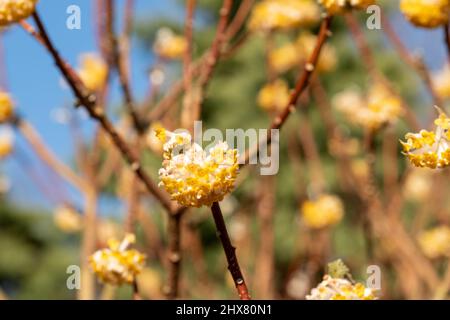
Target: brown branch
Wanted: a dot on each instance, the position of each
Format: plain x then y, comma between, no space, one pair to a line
176,89
215,52
188,113
88,101
416,63
174,256
36,142
239,18
312,156
230,253
447,40
120,63
88,246
301,85
264,276
370,64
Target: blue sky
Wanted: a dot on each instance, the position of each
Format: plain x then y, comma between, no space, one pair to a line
36,84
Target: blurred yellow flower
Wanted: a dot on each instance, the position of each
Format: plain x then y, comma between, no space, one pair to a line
274,96
441,82
435,242
93,71
284,58
117,264
192,176
6,106
306,43
360,168
426,13
150,283
152,140
67,219
283,14
429,149
12,11
108,229
326,211
379,108
340,6
418,185
6,144
168,45
340,289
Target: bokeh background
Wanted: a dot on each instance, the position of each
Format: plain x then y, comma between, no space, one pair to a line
34,253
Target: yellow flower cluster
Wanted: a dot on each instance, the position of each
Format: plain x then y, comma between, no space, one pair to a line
291,55
340,289
6,144
67,219
429,149
379,108
168,45
274,96
93,71
441,82
426,13
6,106
326,211
340,6
12,11
283,14
192,176
435,243
117,264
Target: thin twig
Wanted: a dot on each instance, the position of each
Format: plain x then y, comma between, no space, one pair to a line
301,85
447,40
416,63
230,252
36,142
370,63
188,114
88,246
239,18
176,89
88,101
174,256
120,62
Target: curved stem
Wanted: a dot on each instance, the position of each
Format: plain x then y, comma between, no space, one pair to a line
302,84
36,142
174,256
88,101
230,252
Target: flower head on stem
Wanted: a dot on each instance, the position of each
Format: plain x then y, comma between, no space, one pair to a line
192,176
429,149
12,11
338,285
